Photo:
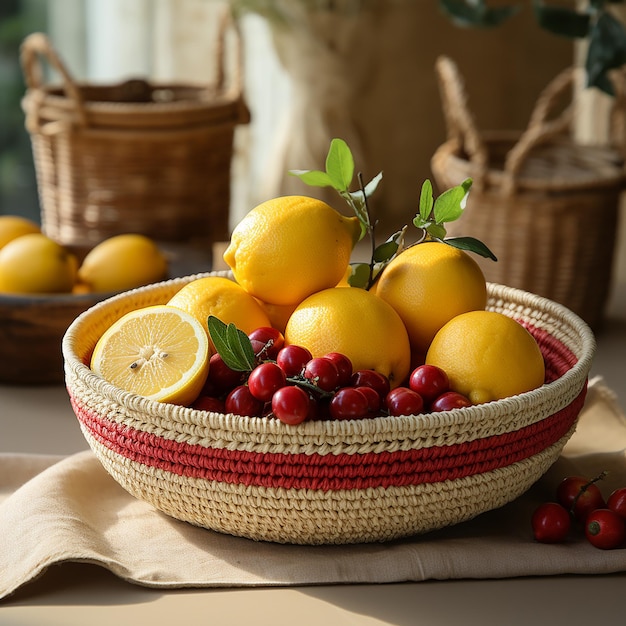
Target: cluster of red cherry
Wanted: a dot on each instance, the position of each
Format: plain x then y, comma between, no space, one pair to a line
579,500
293,386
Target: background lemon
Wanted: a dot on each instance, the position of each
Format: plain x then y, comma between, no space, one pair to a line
428,284
223,298
356,323
487,356
34,263
122,262
14,226
159,352
290,247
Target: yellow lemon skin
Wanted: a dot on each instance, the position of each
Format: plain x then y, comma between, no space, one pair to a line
356,323
428,284
223,298
159,352
487,356
287,248
14,226
123,262
35,264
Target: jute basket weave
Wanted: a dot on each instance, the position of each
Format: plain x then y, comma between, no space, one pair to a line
331,481
546,206
131,157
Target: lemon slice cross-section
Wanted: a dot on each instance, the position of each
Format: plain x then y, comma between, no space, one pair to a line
159,352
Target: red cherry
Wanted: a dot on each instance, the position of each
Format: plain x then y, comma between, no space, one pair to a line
322,372
291,405
590,498
348,403
373,399
429,381
605,529
617,502
344,367
449,400
271,338
292,359
265,379
550,523
241,402
221,379
373,379
404,401
208,403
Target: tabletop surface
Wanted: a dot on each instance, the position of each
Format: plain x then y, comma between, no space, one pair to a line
39,420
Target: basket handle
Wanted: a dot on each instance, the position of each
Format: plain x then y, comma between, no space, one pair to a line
228,22
37,46
540,129
459,121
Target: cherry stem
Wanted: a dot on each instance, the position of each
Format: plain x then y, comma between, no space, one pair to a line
584,488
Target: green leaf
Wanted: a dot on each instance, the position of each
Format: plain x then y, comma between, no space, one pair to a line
359,275
385,251
340,165
232,344
314,178
436,231
371,187
448,205
426,200
607,51
562,21
475,13
471,245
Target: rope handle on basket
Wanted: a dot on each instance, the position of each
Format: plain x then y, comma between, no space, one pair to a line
227,22
540,129
462,129
35,47
459,121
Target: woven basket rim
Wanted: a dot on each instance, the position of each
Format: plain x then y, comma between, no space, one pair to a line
448,155
383,425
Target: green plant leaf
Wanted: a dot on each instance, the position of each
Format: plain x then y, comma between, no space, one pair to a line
359,275
607,51
562,21
371,187
314,178
475,13
436,231
426,200
471,245
448,205
232,344
340,165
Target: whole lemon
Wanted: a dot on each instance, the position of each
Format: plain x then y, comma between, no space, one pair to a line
428,284
356,323
34,263
223,298
14,226
123,262
487,356
287,248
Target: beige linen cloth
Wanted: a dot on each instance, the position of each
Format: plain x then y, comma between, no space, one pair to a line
58,509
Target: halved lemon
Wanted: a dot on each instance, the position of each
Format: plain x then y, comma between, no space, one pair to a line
159,352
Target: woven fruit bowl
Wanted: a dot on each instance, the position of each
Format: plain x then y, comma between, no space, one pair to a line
331,482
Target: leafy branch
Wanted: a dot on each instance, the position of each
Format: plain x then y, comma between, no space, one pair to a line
605,33
431,218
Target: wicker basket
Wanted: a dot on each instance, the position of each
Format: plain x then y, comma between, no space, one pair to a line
547,206
131,157
331,481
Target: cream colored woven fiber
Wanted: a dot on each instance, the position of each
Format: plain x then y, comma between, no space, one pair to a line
269,509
